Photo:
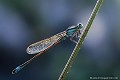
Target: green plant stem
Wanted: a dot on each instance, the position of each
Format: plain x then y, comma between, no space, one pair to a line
80,41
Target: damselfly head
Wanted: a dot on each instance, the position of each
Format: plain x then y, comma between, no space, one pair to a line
79,26
73,29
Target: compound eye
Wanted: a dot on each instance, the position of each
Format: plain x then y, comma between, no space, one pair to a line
80,25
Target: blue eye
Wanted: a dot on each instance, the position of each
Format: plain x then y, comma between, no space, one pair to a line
79,26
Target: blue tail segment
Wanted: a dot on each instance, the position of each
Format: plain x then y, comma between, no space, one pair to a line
16,70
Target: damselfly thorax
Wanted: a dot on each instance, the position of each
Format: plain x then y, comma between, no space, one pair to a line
43,45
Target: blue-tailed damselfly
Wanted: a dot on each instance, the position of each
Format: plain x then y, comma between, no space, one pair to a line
43,45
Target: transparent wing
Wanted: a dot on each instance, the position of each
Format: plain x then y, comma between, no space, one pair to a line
44,44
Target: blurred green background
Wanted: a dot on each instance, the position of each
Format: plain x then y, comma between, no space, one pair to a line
23,22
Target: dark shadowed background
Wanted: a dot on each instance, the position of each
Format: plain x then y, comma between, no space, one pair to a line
23,22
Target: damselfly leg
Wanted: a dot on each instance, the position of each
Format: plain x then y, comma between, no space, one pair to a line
77,34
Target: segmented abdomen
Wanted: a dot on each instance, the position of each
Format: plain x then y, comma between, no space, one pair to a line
46,43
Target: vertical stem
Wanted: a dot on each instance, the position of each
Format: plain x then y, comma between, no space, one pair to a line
80,41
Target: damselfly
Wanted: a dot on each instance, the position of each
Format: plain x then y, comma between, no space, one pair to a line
43,45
